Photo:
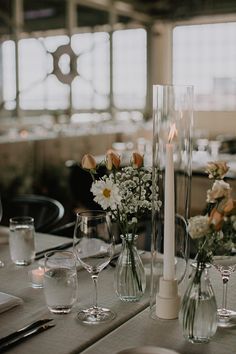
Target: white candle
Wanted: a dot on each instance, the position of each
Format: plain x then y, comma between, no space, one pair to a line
36,277
169,213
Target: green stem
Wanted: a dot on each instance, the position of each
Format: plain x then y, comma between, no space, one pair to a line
133,263
191,304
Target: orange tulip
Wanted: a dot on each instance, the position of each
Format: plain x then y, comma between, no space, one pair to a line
88,162
137,160
112,160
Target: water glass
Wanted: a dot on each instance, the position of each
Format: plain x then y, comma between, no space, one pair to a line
21,240
60,281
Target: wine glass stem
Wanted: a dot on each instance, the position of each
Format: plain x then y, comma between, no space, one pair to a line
225,290
95,282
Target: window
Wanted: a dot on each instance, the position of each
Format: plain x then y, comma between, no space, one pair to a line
9,74
130,69
205,56
91,87
41,89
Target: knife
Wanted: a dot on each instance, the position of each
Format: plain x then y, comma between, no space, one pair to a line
25,329
62,246
24,335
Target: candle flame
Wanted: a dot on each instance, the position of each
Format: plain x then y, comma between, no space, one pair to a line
24,133
173,133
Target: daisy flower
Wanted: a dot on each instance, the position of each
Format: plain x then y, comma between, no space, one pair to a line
106,193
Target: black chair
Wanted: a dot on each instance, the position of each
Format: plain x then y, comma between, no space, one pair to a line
47,212
65,230
80,182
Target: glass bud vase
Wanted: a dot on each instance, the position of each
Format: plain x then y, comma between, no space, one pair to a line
130,278
198,312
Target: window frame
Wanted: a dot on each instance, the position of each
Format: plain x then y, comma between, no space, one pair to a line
79,30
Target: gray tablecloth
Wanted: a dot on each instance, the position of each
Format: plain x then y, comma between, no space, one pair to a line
132,326
69,335
142,330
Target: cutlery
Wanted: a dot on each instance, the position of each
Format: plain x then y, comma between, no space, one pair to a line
25,329
62,246
24,335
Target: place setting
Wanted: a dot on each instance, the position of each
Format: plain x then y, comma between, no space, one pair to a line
7,301
24,333
21,254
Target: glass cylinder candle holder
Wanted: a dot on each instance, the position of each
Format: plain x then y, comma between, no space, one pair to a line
172,148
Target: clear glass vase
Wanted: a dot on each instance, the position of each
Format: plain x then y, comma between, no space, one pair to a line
198,312
130,278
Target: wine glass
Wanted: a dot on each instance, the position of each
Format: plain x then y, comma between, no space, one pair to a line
226,265
1,262
94,248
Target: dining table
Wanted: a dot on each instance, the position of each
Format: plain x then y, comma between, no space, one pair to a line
133,325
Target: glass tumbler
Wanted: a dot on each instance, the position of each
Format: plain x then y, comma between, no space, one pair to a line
60,281
21,240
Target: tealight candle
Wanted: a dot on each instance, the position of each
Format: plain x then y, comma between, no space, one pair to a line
36,277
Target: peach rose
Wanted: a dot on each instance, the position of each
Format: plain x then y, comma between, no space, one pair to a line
112,160
220,189
216,219
225,205
137,160
88,162
217,169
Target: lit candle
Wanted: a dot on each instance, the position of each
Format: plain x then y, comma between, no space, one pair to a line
36,277
169,211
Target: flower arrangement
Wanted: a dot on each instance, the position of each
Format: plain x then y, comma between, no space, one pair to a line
126,194
215,232
217,228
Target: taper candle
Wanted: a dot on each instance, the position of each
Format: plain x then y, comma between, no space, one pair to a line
169,211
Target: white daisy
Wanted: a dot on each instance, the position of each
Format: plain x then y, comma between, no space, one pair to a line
106,194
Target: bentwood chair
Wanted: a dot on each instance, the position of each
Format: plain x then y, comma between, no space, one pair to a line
47,212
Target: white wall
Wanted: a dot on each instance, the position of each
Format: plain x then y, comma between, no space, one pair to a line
210,123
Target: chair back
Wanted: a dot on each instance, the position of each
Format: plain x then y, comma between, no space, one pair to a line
80,182
47,212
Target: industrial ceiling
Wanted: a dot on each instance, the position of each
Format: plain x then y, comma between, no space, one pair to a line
50,14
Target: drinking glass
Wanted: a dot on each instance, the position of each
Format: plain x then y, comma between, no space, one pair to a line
60,281
1,262
226,265
21,240
94,248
